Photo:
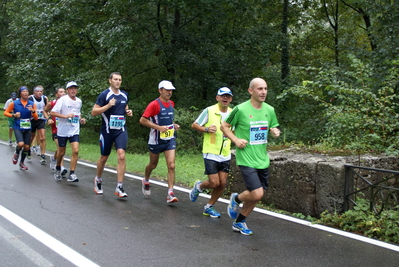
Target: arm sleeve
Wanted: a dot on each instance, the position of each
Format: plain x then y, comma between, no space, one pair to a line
6,104
152,110
202,118
34,115
274,122
8,111
57,106
101,100
232,118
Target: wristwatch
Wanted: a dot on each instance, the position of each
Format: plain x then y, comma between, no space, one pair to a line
206,129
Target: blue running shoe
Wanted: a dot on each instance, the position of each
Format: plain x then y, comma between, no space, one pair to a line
195,192
211,212
232,208
242,228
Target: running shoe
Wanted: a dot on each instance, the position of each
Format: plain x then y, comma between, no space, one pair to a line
72,178
63,171
23,167
33,149
28,156
195,192
97,187
145,188
57,175
171,198
43,159
10,142
53,163
15,158
242,228
232,208
211,212
120,192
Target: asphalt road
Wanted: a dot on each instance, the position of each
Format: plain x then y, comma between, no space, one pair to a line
48,223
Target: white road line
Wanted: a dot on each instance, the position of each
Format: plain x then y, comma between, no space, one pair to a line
46,239
30,254
331,230
270,213
273,214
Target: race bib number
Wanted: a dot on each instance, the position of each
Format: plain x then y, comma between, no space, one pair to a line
169,134
24,124
117,122
258,134
40,114
74,120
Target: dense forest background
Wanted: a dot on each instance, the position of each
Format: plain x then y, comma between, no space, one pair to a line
331,66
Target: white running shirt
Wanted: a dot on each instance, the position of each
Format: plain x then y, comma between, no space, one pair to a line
65,105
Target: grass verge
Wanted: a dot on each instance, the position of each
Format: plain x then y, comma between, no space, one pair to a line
189,168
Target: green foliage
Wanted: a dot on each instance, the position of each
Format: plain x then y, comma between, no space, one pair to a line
351,114
303,217
203,45
361,220
188,140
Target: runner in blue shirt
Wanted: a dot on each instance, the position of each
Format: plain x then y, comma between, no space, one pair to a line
22,110
112,104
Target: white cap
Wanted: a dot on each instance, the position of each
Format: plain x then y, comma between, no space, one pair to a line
166,84
70,84
224,91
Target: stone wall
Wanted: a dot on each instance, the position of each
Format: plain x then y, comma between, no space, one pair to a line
307,183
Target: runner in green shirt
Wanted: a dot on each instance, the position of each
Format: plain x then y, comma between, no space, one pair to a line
252,121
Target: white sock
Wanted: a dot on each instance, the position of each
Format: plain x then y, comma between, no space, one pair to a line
198,187
207,206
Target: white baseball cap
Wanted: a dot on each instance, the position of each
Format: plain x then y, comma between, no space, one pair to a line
224,91
70,84
166,84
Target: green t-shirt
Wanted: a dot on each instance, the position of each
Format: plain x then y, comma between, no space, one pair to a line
253,125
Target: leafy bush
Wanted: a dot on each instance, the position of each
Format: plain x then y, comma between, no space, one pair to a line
361,220
349,113
189,141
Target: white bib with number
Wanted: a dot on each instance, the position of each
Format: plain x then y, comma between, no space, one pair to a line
24,124
116,122
258,134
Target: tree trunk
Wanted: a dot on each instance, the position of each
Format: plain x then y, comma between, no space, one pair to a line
285,60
